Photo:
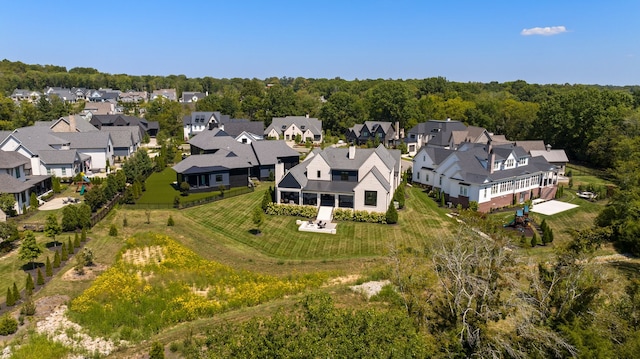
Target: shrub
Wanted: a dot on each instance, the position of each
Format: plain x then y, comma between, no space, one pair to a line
33,200
156,351
70,247
343,214
113,231
399,196
170,222
28,308
83,235
85,258
184,188
124,222
473,205
76,241
291,210
8,325
176,202
534,240
392,215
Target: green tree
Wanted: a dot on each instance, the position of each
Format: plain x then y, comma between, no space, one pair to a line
7,203
266,199
28,285
392,101
76,240
51,227
8,324
57,259
258,218
8,233
83,235
16,293
29,249
48,269
40,277
64,253
392,214
94,198
70,246
33,201
534,240
55,181
170,222
10,300
184,188
341,111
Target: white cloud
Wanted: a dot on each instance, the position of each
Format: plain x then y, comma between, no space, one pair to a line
544,31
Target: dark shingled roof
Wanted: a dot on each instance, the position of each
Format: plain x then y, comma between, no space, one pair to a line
219,161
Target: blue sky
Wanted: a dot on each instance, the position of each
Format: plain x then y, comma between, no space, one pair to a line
587,42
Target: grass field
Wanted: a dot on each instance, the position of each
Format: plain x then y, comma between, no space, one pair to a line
161,191
280,238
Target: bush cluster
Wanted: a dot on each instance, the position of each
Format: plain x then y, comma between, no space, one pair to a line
8,325
291,210
340,214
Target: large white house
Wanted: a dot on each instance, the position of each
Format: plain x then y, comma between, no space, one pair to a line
16,180
287,128
493,176
356,178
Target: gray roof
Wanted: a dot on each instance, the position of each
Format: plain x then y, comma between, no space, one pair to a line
219,161
207,140
10,184
109,120
122,136
235,128
82,125
10,159
36,138
471,157
337,157
201,117
4,134
97,139
437,154
372,127
58,157
312,124
532,145
268,152
552,156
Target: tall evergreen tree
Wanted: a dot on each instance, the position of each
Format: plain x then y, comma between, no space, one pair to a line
48,270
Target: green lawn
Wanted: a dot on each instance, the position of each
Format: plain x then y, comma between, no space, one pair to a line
160,189
420,221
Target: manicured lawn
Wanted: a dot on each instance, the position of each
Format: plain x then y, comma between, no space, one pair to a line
419,222
160,189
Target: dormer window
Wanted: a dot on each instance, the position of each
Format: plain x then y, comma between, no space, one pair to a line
302,127
284,127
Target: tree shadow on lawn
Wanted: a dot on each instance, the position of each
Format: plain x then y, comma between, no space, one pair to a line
255,232
53,245
31,266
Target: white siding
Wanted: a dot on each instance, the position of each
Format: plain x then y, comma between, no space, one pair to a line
318,164
371,183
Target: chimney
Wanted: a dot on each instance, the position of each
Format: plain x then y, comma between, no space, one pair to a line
397,136
448,119
352,152
548,147
492,160
306,116
72,123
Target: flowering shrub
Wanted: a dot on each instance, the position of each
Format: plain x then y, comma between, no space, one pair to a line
340,214
291,210
137,298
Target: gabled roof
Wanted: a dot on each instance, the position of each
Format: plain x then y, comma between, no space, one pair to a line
96,139
202,117
235,128
10,184
302,122
552,156
11,159
37,138
82,125
123,136
531,145
219,161
337,157
58,157
268,152
208,141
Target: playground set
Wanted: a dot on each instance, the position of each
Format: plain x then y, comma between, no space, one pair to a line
521,221
84,185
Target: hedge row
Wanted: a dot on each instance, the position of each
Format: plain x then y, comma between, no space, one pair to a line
340,214
291,210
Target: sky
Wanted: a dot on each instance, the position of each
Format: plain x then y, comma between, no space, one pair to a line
538,41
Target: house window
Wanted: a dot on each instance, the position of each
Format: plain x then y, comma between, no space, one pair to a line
464,191
344,176
64,171
244,140
485,193
418,175
218,178
49,171
17,172
440,182
318,173
370,198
